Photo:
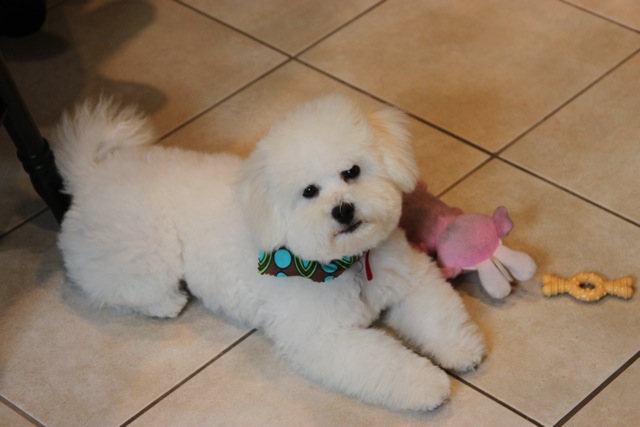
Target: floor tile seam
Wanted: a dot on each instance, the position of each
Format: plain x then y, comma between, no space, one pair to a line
567,102
391,104
339,28
584,402
540,177
224,99
188,378
255,81
465,177
569,191
15,408
271,46
449,133
603,17
495,399
231,27
23,222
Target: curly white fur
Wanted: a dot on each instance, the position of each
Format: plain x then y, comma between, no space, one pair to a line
144,218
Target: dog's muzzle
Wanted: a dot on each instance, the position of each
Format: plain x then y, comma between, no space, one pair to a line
344,213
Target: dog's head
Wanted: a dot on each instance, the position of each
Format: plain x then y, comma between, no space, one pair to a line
327,180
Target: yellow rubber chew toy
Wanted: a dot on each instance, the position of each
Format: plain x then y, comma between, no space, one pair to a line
587,286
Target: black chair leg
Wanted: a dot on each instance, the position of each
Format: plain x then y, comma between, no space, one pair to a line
33,150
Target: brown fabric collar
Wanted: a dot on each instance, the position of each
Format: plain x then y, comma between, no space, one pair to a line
283,263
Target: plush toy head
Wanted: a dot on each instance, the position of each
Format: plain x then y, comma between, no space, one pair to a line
472,238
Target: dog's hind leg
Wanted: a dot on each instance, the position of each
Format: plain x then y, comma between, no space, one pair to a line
171,306
130,271
151,295
159,298
367,364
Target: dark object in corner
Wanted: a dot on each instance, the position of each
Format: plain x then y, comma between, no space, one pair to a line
19,18
33,150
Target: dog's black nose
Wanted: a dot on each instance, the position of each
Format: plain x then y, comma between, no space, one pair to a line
343,213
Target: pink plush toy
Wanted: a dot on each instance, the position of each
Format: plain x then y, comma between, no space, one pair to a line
465,242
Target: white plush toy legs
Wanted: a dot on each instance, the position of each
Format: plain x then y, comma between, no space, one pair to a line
495,273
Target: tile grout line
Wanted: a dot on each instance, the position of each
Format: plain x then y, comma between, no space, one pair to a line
296,57
564,104
597,15
451,134
464,177
541,178
289,56
495,399
390,104
339,27
221,101
231,27
23,222
270,46
569,191
188,378
265,43
598,390
19,411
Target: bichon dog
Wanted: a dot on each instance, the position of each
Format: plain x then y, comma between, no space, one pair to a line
301,239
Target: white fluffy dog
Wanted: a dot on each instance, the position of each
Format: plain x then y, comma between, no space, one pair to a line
322,191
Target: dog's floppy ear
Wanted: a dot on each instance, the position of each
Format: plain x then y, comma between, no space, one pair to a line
394,142
267,224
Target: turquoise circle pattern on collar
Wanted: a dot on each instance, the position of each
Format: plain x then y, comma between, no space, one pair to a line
282,263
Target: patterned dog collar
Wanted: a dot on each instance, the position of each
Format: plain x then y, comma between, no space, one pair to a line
282,263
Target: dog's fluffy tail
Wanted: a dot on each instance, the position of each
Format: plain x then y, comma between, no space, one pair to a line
91,132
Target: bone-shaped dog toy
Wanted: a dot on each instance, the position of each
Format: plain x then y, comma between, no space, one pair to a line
587,286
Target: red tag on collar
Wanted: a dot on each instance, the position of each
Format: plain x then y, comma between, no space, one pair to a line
367,267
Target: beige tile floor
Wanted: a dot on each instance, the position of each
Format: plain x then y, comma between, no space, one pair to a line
532,104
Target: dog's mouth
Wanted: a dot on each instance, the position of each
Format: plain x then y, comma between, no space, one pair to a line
350,229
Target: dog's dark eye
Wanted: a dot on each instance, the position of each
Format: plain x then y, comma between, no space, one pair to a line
310,192
351,173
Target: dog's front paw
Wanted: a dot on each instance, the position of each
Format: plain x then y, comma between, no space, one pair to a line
438,392
460,358
427,390
463,355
